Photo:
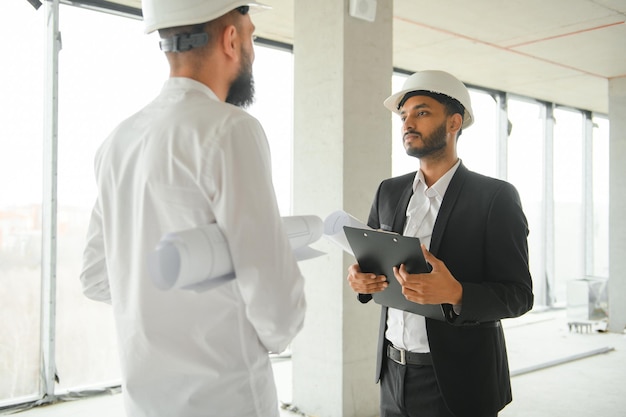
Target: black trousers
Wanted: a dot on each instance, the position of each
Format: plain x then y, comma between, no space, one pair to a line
411,391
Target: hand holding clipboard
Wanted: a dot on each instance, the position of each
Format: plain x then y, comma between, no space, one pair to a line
379,252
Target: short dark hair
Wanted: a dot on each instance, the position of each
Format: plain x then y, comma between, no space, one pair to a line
451,105
243,9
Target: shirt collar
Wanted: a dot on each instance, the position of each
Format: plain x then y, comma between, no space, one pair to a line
439,188
188,84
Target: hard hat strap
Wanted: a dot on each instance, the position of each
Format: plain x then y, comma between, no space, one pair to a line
184,42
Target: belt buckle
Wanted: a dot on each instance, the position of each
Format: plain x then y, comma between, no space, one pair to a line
402,357
402,352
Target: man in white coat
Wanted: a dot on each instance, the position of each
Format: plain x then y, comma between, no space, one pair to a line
193,157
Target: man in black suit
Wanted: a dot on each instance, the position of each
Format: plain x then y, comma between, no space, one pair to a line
474,235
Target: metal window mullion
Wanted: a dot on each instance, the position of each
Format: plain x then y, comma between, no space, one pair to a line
502,144
548,205
49,204
588,240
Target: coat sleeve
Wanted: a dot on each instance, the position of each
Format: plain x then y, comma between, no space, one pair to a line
373,221
94,277
268,276
505,289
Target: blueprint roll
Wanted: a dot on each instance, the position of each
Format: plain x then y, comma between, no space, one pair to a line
333,228
302,230
199,259
190,257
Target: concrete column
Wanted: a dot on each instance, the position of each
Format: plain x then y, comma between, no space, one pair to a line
617,205
342,150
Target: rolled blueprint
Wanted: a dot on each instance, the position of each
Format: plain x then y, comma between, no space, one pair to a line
333,228
199,259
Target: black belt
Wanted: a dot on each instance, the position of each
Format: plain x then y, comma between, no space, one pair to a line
404,357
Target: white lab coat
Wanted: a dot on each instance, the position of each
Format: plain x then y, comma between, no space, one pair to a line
185,160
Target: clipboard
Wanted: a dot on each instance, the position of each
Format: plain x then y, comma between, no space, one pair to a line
378,252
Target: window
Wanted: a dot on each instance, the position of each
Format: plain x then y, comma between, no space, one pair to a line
478,144
20,201
569,256
273,76
102,80
600,190
525,162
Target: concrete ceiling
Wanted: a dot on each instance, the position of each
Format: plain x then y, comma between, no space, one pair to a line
562,51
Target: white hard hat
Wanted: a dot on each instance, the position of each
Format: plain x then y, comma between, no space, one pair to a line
161,14
436,82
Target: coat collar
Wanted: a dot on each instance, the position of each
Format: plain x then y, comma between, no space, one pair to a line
448,203
400,216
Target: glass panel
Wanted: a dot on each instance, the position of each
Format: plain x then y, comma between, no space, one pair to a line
273,76
477,145
525,172
600,174
21,109
103,79
568,200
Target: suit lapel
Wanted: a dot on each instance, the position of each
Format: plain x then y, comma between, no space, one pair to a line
400,215
449,200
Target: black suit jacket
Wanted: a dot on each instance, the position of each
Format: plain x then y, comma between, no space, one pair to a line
481,235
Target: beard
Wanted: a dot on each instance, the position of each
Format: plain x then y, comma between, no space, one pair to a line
241,91
433,144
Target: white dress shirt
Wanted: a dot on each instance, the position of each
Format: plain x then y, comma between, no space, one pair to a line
407,330
188,159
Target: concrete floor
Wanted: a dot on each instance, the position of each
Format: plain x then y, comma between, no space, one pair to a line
555,373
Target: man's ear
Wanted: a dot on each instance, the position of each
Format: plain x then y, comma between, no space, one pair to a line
455,122
230,40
